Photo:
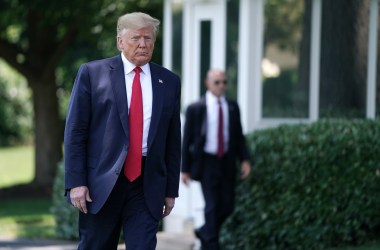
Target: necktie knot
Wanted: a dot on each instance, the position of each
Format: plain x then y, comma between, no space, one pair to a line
137,70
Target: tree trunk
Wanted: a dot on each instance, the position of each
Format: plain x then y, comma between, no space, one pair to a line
48,131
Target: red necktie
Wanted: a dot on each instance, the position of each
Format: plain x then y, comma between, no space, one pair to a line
132,165
220,131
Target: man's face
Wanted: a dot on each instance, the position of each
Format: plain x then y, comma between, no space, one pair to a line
216,83
137,45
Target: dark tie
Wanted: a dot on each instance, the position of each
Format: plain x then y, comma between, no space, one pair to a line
220,131
132,165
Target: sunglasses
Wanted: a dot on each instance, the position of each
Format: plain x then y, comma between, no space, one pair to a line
220,81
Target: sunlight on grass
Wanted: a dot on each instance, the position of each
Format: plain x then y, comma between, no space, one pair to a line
16,165
28,227
27,218
22,218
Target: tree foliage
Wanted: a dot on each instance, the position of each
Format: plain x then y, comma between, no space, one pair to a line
286,36
15,124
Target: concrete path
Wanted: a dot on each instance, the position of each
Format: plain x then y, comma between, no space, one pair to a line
165,241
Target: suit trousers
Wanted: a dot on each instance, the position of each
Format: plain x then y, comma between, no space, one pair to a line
126,209
218,189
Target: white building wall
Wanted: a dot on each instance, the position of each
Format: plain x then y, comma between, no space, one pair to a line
251,36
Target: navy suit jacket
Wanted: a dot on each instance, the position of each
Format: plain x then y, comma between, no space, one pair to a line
194,139
96,136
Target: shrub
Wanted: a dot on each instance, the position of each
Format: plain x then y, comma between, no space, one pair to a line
66,216
311,187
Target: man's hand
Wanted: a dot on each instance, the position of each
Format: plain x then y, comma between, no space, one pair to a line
186,178
79,196
169,204
245,169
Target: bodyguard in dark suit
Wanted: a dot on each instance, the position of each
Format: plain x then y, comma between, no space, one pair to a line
212,143
123,142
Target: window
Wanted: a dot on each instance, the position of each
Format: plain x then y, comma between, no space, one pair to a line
205,48
343,61
285,78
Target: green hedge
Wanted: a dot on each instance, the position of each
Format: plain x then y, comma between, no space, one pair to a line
65,215
312,187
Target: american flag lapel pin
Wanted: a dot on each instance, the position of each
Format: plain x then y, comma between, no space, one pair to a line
160,81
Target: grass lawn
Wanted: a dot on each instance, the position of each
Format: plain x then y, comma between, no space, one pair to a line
22,218
16,165
26,219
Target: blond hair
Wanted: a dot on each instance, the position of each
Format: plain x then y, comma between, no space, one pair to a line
136,20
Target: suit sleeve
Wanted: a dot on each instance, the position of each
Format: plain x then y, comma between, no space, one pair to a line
241,142
76,131
173,152
186,155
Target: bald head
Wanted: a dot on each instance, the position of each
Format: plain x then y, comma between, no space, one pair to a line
216,82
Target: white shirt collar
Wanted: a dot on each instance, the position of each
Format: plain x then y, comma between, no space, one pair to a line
211,98
129,67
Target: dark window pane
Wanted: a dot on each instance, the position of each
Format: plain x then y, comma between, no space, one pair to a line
177,36
232,36
205,51
343,66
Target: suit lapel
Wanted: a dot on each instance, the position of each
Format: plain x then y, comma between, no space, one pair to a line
203,116
231,121
117,79
157,102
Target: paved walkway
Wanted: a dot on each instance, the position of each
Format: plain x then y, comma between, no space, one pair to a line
165,241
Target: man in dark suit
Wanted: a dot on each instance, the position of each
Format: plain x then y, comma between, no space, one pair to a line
212,143
123,142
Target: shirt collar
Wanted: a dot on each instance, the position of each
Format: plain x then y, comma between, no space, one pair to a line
211,98
129,67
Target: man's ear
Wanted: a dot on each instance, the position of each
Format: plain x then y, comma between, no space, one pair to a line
120,45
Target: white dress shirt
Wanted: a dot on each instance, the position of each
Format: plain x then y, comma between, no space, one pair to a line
147,95
211,144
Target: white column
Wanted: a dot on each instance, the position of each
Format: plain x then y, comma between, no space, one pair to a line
189,92
167,35
315,51
372,59
218,35
251,36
